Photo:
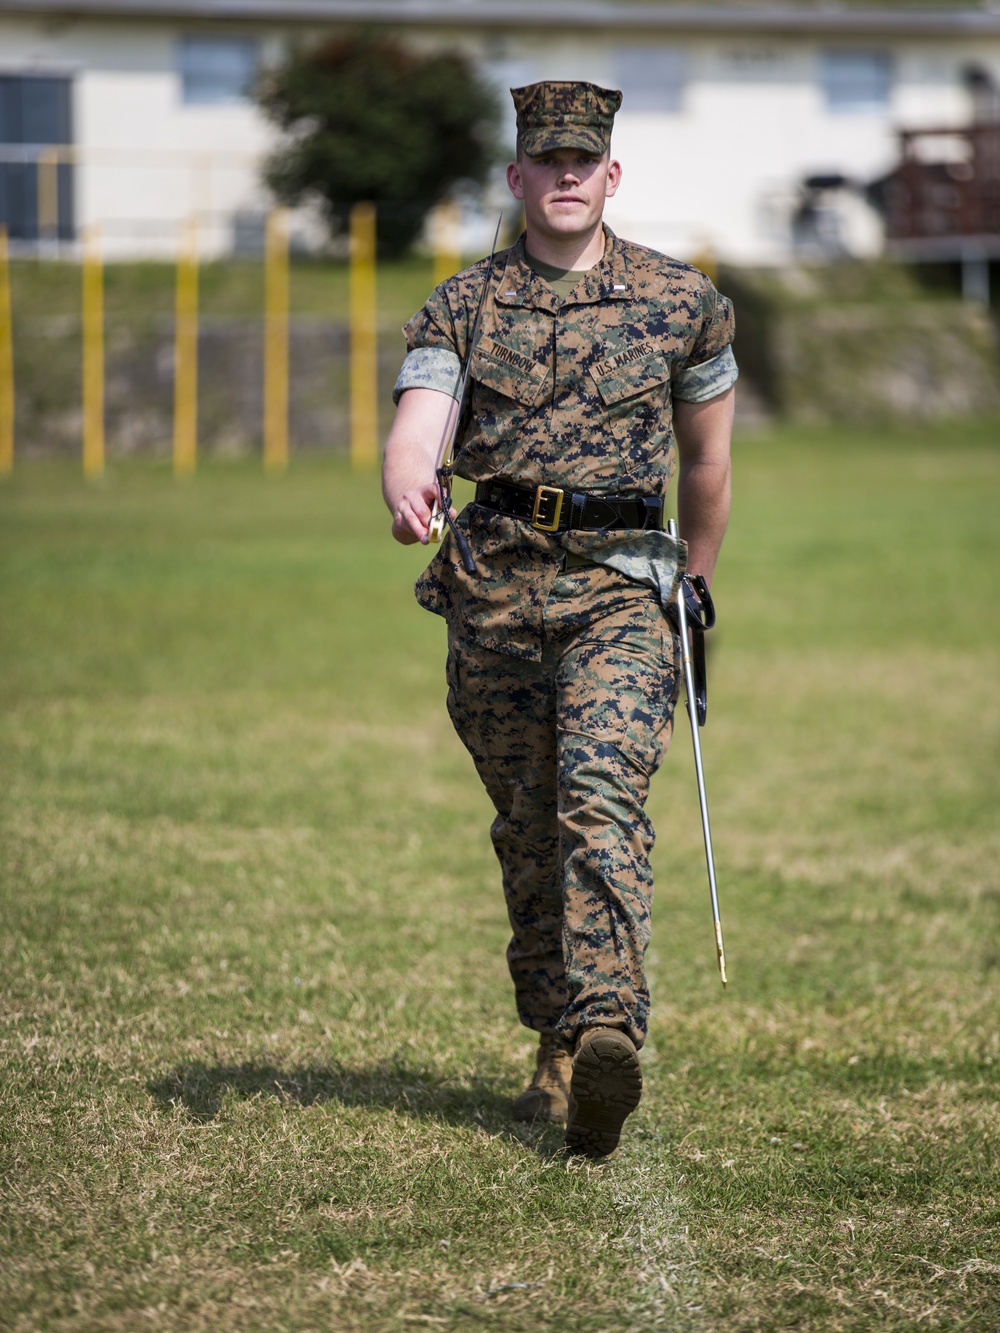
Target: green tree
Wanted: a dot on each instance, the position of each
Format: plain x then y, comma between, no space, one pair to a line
369,119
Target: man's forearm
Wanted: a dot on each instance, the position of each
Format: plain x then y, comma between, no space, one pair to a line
703,493
423,419
404,468
703,435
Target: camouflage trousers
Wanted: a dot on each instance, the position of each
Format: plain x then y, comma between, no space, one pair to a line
565,748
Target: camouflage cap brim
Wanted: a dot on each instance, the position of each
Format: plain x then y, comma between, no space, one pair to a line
546,140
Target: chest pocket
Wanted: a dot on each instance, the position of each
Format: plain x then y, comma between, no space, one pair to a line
636,399
508,373
648,379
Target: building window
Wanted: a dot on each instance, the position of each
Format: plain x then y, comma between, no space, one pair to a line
856,80
217,69
650,80
35,121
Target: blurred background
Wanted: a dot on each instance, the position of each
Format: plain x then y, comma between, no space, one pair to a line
835,168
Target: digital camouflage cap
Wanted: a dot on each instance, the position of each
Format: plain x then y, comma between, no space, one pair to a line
565,115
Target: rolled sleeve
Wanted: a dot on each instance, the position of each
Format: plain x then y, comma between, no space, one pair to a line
429,368
697,384
718,325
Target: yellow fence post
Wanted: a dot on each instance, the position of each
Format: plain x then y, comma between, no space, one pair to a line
276,341
93,355
48,195
6,363
447,241
364,344
186,353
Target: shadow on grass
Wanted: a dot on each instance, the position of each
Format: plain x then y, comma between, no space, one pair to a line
202,1088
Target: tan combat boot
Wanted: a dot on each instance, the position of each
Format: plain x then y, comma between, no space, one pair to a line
605,1088
547,1095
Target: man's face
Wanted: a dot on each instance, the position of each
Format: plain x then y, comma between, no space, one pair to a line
564,190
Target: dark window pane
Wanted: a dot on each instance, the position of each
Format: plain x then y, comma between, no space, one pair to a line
46,111
35,110
10,110
35,113
19,201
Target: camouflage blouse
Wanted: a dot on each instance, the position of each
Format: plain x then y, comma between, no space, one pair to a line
574,393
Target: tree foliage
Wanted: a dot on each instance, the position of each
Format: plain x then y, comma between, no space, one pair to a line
369,119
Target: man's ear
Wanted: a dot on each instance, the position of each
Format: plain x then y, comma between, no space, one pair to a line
614,178
514,182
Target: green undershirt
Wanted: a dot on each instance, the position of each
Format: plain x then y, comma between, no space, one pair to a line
561,280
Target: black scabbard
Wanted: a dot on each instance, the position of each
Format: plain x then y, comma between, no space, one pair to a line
700,611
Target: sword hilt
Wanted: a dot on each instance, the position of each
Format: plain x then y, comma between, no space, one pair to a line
435,528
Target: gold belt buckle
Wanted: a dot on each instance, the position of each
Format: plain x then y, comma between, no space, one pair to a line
546,495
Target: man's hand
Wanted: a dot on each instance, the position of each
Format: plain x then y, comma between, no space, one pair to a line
412,515
423,424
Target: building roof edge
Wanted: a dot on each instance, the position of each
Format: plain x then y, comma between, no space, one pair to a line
772,19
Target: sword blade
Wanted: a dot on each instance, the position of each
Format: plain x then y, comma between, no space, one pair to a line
447,451
692,709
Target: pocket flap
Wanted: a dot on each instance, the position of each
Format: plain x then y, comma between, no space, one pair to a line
507,371
637,370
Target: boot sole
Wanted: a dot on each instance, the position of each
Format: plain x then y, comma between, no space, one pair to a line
606,1089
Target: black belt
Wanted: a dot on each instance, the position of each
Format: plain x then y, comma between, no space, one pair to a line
550,509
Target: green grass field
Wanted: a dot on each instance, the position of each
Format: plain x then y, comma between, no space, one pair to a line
258,1041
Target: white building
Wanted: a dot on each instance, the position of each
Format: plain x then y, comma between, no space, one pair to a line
729,110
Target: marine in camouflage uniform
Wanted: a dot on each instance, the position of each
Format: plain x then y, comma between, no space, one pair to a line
561,663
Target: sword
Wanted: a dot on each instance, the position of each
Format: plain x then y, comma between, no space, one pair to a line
441,509
696,706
